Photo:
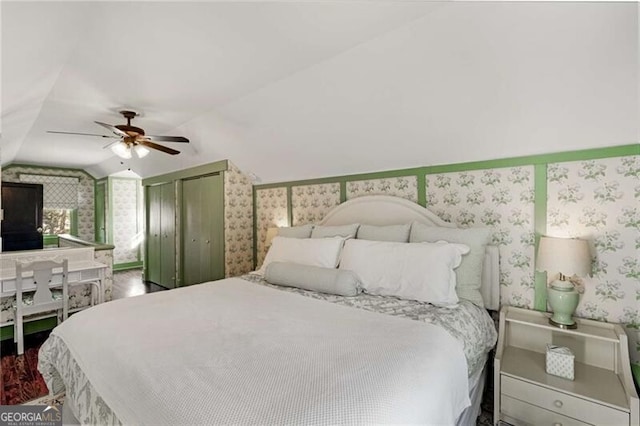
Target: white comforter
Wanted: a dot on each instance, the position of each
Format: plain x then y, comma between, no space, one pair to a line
236,352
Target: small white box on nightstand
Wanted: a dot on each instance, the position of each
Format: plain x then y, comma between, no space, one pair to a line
560,361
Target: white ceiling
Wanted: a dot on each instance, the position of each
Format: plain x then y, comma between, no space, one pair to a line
294,90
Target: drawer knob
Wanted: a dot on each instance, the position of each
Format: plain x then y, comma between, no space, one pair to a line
557,403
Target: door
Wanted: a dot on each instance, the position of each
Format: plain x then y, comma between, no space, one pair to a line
167,235
154,249
192,231
22,221
203,229
160,263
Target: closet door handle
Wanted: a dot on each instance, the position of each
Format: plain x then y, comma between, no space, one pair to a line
193,240
207,241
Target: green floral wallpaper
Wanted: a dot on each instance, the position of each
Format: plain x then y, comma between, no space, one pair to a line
127,220
310,203
500,199
599,200
238,222
403,187
271,210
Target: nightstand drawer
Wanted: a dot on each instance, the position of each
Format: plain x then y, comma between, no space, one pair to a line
527,414
562,403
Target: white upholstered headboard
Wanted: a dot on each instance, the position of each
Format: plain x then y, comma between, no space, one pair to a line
385,210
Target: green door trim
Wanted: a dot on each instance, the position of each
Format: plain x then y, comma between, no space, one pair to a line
192,172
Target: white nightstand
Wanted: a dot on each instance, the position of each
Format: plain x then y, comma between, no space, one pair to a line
602,393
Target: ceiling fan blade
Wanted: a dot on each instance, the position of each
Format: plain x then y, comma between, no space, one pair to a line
81,134
113,129
152,145
167,138
109,145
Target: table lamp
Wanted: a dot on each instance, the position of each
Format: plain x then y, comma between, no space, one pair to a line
564,257
271,234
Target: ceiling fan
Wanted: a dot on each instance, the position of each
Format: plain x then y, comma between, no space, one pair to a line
132,138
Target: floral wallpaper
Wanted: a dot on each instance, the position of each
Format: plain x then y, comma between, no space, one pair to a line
271,211
501,199
599,200
310,203
405,187
127,224
238,222
85,192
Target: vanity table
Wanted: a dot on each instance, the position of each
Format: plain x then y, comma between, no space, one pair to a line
83,269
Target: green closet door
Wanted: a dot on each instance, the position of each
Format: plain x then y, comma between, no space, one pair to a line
154,248
168,236
202,226
212,251
191,231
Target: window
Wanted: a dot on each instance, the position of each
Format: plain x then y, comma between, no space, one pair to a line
56,221
60,199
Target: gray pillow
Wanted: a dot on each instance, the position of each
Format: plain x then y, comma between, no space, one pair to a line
469,273
345,231
303,231
324,280
394,233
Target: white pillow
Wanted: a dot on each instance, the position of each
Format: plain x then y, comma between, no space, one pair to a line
469,274
322,252
414,271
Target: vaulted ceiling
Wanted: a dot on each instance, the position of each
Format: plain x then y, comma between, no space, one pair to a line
294,90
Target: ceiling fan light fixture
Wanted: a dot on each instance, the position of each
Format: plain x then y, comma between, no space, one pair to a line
141,151
122,150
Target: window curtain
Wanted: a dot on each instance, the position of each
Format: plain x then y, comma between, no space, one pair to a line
59,192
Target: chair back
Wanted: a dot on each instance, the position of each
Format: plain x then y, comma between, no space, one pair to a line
42,274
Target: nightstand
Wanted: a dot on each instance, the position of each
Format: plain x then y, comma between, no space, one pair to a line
602,393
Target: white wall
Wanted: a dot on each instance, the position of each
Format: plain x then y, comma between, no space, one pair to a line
466,82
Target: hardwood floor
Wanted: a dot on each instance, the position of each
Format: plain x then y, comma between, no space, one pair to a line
129,283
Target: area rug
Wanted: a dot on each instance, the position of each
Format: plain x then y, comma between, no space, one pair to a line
20,380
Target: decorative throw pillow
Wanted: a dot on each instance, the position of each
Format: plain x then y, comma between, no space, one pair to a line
423,271
470,271
345,231
323,252
303,231
323,280
397,233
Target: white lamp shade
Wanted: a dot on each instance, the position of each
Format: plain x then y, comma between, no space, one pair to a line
141,151
568,256
122,150
271,234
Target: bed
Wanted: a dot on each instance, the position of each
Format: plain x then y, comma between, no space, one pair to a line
245,351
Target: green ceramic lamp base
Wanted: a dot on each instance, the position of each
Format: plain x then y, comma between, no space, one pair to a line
563,299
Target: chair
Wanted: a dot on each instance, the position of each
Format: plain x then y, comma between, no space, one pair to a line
43,300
